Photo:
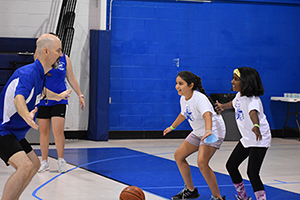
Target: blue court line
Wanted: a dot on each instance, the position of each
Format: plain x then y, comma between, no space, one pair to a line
40,187
206,186
282,182
180,187
34,193
90,163
145,188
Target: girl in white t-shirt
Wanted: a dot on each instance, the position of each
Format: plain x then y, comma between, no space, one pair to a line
198,109
254,128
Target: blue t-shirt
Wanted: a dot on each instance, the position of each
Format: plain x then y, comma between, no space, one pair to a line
27,81
56,82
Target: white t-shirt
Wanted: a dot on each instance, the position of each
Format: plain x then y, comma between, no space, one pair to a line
243,105
193,110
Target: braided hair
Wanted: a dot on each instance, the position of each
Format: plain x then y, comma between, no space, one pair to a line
190,78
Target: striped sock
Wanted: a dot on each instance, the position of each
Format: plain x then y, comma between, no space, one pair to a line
260,195
240,188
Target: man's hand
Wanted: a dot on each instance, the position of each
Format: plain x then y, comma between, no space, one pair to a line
23,111
29,119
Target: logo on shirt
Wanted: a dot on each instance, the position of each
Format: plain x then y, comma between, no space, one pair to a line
61,66
188,114
239,115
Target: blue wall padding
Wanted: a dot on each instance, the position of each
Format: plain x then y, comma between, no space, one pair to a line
17,44
296,2
98,126
10,60
211,40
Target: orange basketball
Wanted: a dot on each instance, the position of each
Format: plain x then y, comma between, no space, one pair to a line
132,193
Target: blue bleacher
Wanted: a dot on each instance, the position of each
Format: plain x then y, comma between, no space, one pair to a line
14,53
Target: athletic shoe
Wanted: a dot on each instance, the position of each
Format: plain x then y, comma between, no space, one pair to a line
216,198
186,194
239,198
62,165
44,166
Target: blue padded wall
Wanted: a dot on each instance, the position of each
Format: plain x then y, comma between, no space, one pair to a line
8,44
98,126
209,39
9,57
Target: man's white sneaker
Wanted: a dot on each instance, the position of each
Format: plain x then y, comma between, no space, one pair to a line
44,166
62,165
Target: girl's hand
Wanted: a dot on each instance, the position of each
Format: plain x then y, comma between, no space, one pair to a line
256,130
207,133
167,130
219,107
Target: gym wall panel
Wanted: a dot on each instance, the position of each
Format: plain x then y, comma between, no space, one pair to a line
98,126
153,40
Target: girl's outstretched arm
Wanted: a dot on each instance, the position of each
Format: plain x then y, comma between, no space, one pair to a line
176,123
220,107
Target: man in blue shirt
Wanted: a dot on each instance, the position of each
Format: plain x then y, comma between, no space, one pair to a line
18,106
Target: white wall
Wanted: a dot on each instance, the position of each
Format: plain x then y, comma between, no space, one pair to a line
31,18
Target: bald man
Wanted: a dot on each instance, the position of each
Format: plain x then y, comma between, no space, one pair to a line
19,102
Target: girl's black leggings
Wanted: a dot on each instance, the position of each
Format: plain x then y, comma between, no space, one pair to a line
256,156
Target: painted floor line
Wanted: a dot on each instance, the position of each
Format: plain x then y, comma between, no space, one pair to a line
34,193
278,182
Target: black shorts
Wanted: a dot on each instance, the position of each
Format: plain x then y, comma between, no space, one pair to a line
9,145
46,112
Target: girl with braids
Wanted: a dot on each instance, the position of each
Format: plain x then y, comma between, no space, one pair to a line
198,109
254,128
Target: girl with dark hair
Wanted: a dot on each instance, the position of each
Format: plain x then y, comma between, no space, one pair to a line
197,108
254,128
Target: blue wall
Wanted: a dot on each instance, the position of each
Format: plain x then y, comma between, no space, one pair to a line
209,39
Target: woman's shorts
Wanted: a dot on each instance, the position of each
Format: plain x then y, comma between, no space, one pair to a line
196,141
9,145
46,112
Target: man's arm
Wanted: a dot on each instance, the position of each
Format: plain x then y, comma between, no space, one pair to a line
23,111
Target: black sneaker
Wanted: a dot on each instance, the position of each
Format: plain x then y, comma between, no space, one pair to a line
239,198
186,194
216,198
